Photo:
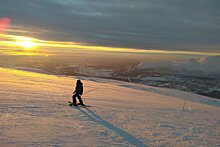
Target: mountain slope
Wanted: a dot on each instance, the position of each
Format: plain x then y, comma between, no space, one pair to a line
207,66
122,114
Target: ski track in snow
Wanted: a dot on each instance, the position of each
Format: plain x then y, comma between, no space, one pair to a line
122,114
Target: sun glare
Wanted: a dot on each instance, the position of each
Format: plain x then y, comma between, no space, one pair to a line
33,44
26,42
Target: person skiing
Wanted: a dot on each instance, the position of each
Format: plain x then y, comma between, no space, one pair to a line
77,93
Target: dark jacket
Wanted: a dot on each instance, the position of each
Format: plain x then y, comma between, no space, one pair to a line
79,87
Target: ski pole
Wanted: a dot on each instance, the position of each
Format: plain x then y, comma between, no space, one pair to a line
184,104
90,91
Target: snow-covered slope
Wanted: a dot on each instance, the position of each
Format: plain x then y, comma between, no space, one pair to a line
34,112
201,66
204,65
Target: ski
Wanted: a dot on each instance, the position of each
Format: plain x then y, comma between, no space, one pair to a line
77,104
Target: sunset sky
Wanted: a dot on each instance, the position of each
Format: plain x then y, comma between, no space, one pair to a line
145,26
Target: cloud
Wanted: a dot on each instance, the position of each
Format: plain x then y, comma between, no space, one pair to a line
146,24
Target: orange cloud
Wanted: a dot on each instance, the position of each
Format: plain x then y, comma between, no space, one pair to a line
4,24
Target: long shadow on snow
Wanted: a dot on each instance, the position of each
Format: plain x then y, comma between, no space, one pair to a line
97,119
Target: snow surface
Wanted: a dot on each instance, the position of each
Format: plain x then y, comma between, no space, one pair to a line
32,70
204,65
34,112
200,66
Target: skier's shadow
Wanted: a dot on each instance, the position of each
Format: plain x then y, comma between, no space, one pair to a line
97,119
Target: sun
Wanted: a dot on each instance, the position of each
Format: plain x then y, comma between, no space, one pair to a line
26,42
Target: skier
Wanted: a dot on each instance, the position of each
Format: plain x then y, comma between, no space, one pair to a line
77,93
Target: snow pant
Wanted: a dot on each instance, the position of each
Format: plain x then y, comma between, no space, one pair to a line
79,97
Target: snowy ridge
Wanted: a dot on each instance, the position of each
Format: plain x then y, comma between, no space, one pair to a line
37,70
122,114
200,66
204,65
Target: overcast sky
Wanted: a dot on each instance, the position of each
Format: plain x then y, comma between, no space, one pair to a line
146,24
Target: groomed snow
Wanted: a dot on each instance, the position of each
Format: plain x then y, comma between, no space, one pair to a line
34,112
